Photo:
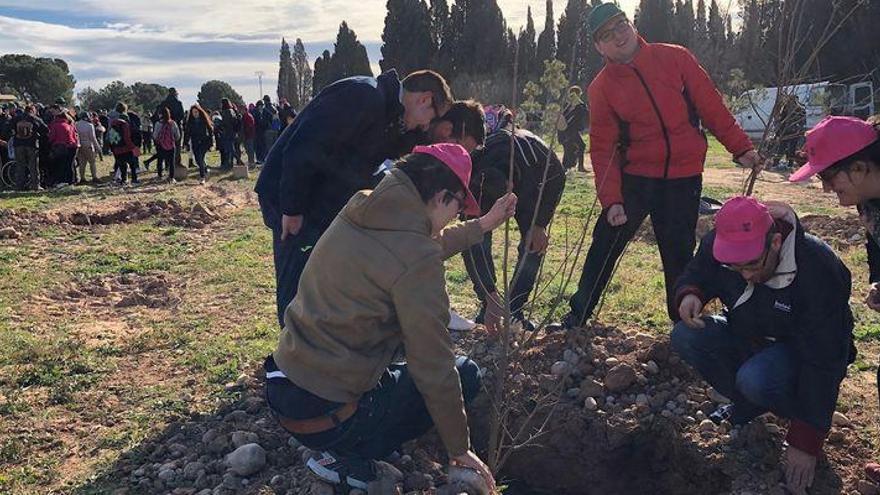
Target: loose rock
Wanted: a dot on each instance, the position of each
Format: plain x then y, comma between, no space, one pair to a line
591,388
839,419
867,488
247,459
560,368
707,425
620,377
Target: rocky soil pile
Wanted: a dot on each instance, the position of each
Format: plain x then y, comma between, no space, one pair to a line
629,417
122,291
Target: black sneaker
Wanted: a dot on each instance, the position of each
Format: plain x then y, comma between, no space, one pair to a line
723,413
527,325
353,471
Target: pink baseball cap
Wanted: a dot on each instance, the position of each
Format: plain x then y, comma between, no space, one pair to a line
458,160
832,140
741,227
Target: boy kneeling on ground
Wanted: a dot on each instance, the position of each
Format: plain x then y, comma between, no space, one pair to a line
375,284
785,339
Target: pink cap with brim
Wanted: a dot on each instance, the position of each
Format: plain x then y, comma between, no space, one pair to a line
741,227
459,161
832,140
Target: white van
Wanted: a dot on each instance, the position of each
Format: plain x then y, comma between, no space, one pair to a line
819,99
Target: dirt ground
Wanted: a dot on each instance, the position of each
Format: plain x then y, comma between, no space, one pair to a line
136,395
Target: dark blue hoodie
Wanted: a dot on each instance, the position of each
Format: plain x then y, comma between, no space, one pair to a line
333,148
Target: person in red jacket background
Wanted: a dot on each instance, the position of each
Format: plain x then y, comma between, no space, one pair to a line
647,149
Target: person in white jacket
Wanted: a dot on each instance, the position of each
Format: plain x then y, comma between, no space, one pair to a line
89,148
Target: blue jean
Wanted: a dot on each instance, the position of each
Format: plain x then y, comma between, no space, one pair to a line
756,381
390,414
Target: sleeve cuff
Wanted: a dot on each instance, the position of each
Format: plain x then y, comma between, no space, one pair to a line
805,437
689,290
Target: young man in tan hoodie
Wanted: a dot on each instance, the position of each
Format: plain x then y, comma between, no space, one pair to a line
375,285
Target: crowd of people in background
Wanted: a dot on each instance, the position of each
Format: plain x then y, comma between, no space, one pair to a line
59,145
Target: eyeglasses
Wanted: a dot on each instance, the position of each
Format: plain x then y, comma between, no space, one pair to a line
751,266
754,265
620,27
459,198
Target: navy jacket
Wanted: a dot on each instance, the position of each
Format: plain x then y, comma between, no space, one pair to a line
808,309
491,173
333,148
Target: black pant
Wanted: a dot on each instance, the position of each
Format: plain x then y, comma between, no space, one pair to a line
480,265
165,157
290,255
129,160
573,152
389,415
673,205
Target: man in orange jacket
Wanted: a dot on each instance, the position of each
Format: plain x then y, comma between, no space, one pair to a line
647,148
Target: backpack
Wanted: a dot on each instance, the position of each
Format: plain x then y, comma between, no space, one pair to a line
166,137
24,129
114,135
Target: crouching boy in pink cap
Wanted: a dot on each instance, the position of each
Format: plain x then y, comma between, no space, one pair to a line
374,285
784,340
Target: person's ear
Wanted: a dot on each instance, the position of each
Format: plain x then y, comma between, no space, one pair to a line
426,99
776,242
598,48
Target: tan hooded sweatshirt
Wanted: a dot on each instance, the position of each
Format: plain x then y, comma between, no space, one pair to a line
374,282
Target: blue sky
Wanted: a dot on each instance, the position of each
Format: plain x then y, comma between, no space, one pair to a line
183,43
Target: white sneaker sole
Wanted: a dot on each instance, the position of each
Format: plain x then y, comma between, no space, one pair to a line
459,323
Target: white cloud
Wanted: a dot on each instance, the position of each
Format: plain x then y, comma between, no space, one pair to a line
185,42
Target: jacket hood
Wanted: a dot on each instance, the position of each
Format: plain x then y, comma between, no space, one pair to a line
786,270
395,205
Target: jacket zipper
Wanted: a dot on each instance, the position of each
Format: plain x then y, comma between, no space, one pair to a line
662,123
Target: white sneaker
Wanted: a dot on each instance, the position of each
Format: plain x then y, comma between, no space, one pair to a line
459,323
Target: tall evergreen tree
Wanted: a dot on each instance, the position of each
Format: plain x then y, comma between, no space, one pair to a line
482,47
654,20
302,75
684,25
453,25
322,73
546,49
349,56
439,21
528,66
407,41
286,75
574,40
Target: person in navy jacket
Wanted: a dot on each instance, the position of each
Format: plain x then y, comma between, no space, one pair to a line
784,340
332,150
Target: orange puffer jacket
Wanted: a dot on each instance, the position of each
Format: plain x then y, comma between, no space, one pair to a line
645,119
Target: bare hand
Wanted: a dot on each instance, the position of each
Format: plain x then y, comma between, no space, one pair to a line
290,225
503,209
469,460
751,159
616,215
800,469
492,316
538,240
873,300
690,310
